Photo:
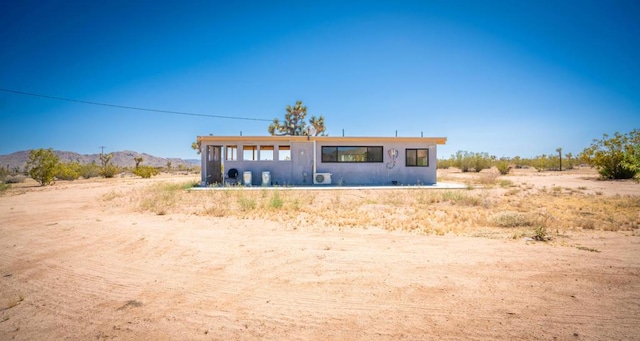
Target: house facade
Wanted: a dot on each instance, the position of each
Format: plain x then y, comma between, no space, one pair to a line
319,160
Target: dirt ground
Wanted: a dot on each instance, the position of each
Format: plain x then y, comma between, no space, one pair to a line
73,266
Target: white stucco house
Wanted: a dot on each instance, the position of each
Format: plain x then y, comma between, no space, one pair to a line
319,160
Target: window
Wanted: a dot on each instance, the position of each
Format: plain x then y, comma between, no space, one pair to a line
284,153
352,154
417,157
231,153
249,153
266,153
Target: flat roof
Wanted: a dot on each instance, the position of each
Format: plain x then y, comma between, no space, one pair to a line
369,139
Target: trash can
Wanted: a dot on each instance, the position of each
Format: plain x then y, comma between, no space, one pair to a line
266,178
246,178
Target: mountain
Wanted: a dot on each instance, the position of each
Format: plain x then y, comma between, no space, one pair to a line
122,159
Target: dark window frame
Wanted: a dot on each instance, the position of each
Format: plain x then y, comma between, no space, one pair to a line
336,154
415,152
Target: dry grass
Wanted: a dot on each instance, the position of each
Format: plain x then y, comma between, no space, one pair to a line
503,211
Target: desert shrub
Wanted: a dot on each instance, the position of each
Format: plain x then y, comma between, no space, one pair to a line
480,161
445,163
540,233
145,172
14,179
4,172
4,187
246,204
68,171
460,198
161,198
545,162
503,167
511,219
89,170
466,161
109,171
42,165
617,157
276,201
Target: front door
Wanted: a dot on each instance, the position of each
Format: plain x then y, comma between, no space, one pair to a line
214,166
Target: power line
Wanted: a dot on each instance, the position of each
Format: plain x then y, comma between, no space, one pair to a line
134,108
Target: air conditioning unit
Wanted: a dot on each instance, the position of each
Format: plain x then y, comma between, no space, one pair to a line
322,178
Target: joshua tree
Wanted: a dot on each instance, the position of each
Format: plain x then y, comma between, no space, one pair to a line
138,160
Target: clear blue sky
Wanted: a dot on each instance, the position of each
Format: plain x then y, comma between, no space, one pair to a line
504,77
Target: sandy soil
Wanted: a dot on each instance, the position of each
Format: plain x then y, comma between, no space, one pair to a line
73,267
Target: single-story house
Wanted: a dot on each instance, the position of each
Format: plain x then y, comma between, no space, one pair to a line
319,160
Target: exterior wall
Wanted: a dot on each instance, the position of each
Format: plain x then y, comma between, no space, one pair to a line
299,170
380,173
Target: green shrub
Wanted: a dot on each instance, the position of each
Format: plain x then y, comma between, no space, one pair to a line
503,167
68,171
466,161
109,171
276,201
89,170
617,157
246,204
145,172
42,165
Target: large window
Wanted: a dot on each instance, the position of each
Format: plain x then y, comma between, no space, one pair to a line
231,153
351,154
417,157
284,153
266,153
250,153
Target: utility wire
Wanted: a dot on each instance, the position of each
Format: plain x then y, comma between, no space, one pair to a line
134,108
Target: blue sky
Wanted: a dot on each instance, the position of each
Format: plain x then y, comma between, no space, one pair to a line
504,77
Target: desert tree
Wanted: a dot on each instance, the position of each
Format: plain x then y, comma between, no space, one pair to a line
138,160
295,123
559,150
108,170
195,146
616,157
42,165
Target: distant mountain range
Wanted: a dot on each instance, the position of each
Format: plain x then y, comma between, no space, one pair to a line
122,159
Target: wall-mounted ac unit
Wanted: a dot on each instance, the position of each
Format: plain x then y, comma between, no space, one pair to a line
322,178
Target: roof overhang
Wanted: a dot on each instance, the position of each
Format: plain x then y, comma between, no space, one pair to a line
230,139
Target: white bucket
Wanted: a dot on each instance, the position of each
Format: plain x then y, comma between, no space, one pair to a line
266,178
246,178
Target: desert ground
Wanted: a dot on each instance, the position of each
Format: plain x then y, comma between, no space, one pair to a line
146,259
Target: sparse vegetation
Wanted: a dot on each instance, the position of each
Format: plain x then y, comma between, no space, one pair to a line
520,207
466,161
